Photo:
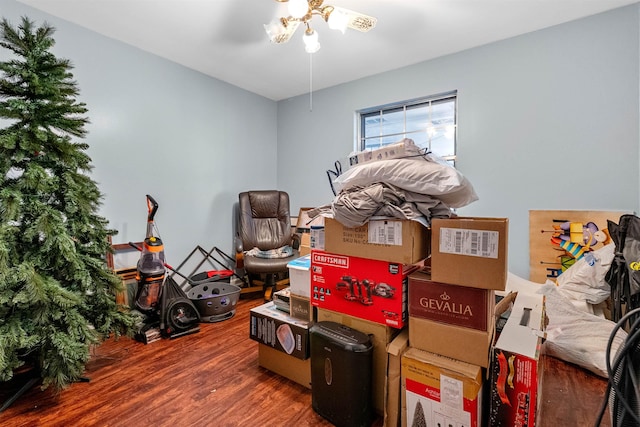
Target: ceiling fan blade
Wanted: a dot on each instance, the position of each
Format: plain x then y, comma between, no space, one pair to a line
358,21
286,32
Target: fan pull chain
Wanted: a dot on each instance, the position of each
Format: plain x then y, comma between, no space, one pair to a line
311,82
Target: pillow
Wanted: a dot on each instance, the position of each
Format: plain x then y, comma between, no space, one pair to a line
423,175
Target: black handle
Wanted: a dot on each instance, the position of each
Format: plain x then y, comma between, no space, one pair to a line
152,206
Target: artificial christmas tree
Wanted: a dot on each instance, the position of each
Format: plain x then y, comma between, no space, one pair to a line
57,296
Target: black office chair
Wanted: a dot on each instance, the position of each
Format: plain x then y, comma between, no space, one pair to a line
265,223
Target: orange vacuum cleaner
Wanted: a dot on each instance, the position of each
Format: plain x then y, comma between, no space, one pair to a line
165,307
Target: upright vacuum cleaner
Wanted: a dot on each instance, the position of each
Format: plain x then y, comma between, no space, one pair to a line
165,307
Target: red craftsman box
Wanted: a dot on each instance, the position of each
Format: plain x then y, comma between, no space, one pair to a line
369,289
516,371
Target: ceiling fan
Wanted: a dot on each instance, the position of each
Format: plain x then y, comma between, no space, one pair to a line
302,11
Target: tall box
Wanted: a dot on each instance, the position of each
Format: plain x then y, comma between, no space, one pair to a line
381,336
394,240
516,371
450,320
370,289
299,276
440,391
393,383
469,251
297,370
279,330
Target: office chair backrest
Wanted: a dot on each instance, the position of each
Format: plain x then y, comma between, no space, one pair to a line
264,220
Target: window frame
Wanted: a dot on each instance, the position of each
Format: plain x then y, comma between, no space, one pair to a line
381,110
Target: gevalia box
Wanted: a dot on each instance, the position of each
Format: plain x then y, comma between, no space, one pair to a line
470,251
300,308
390,239
279,330
380,336
299,276
393,384
450,304
440,391
290,367
516,371
369,289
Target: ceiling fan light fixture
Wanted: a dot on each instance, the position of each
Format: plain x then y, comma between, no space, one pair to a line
298,8
274,29
338,20
310,38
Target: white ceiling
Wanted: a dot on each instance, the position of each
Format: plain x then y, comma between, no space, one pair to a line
226,39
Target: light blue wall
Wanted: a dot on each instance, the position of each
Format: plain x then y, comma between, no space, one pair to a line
162,129
547,120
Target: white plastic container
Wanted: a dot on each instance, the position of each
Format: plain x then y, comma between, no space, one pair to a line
300,277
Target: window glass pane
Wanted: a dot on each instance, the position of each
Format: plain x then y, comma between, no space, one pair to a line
393,121
371,124
417,117
443,143
421,139
372,143
443,113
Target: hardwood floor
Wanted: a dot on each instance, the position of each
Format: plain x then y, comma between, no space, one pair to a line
210,378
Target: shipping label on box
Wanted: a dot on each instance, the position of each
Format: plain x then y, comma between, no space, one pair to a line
279,330
451,304
393,240
470,251
440,391
369,289
516,371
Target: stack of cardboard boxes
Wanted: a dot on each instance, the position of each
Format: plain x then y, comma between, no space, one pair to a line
451,321
360,280
431,321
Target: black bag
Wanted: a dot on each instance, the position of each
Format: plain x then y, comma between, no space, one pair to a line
624,274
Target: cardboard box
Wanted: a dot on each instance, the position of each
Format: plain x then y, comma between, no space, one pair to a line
277,329
393,240
304,221
393,385
290,367
470,251
450,304
381,336
439,391
366,288
516,371
301,308
305,244
388,152
464,344
299,276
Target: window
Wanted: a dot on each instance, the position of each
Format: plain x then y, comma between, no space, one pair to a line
430,122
